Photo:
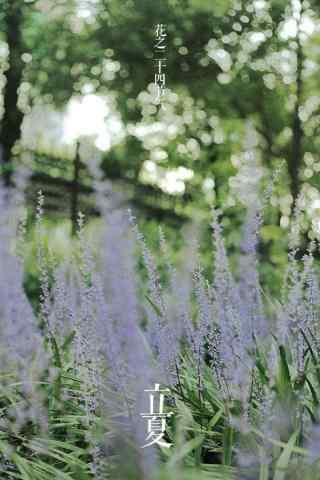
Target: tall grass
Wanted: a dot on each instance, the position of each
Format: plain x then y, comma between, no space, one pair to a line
242,369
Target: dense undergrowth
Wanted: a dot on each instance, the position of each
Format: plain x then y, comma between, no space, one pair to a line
242,369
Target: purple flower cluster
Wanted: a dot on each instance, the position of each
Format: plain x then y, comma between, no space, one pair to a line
126,340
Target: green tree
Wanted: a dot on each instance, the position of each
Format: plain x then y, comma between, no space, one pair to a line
12,18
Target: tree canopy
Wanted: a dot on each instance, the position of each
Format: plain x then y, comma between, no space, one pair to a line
241,89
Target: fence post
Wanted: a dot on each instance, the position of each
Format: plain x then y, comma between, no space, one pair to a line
75,190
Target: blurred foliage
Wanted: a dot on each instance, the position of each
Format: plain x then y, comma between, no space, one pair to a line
236,86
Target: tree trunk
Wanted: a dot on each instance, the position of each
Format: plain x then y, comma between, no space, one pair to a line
12,118
297,130
75,190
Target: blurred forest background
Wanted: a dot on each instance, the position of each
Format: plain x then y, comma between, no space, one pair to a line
242,100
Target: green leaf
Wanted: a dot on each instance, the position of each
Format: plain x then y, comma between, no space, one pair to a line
56,352
284,386
215,419
185,450
228,437
264,472
314,356
154,306
68,341
263,372
284,459
313,393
